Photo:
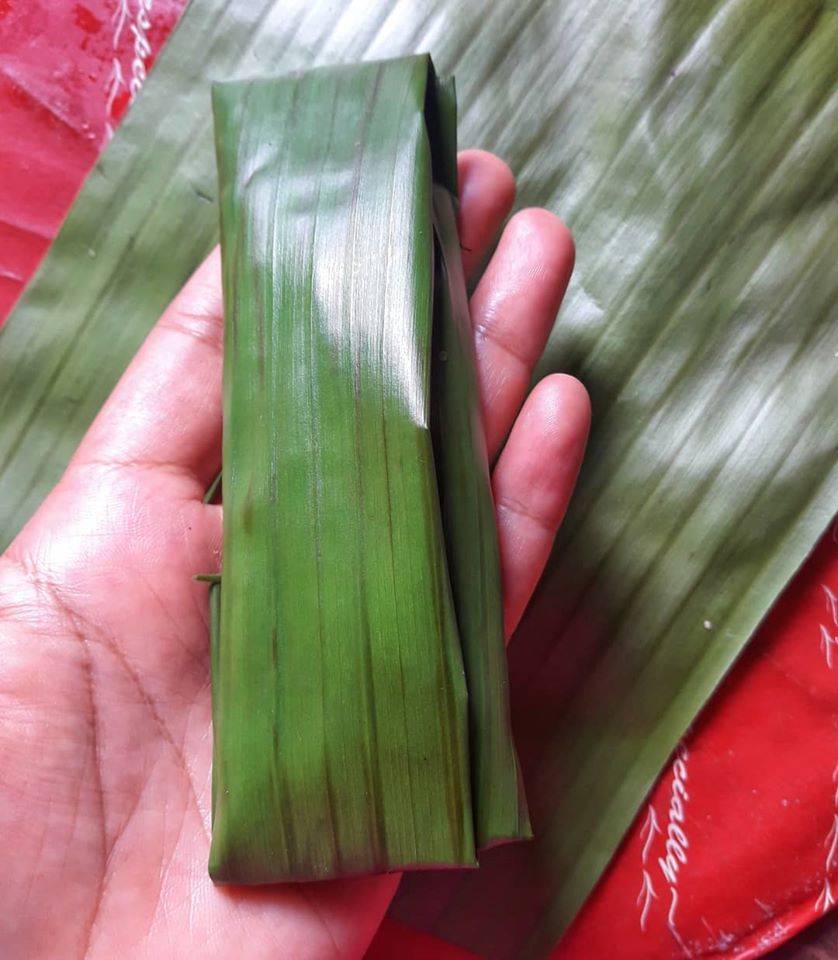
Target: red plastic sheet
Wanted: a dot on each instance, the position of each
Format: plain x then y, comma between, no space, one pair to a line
68,71
736,848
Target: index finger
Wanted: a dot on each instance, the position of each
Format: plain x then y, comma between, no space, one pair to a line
487,192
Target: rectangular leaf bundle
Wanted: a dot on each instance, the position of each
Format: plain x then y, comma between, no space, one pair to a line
361,720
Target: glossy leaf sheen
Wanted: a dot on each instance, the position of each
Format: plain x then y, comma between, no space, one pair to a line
690,146
340,701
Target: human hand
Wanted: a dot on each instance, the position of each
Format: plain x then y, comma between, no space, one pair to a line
105,738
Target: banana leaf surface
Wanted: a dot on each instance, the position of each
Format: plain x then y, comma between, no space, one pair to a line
361,613
691,147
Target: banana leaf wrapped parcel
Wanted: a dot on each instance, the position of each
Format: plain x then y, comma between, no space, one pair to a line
360,707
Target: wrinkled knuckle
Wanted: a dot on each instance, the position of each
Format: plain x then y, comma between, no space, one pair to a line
519,509
203,325
489,328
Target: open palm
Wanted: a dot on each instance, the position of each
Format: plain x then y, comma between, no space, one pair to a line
105,735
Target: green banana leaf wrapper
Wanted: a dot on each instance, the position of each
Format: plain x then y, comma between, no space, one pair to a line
360,705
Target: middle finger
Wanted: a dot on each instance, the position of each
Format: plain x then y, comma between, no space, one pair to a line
513,310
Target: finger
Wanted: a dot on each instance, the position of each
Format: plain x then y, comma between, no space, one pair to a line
533,481
513,310
487,192
165,412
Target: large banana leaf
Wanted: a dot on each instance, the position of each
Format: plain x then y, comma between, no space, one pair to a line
361,613
691,146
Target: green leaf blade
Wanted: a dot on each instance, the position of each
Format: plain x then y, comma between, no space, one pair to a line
341,724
